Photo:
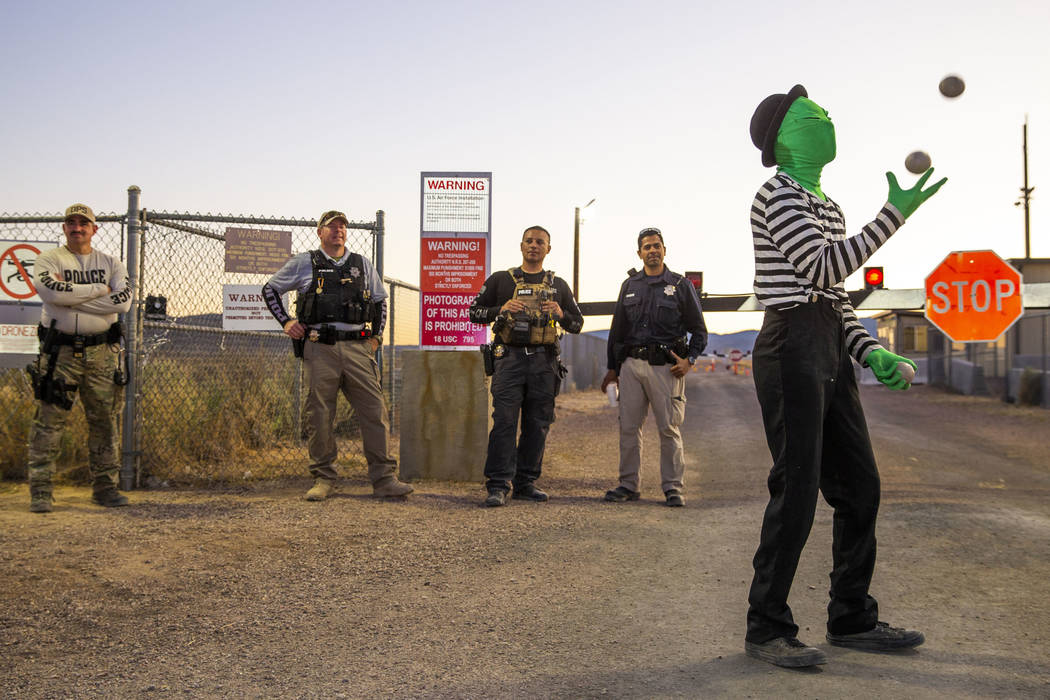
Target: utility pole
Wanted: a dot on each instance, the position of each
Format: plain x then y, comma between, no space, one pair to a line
1026,193
576,250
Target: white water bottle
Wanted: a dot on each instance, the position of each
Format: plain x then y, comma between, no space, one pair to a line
613,392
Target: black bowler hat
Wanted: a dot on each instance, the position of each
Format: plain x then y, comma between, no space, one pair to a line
766,121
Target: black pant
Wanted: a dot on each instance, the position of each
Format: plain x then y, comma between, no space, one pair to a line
525,382
818,438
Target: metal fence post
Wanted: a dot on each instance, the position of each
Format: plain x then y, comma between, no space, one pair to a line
129,461
379,236
1044,345
392,332
948,343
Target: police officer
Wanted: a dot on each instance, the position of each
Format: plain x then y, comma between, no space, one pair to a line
82,290
340,316
523,304
649,357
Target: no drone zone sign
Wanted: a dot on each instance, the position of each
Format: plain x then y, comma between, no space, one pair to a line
17,263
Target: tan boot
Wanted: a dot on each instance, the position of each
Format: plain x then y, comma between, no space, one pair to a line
389,487
322,488
39,499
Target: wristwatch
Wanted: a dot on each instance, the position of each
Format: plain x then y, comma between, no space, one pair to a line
692,360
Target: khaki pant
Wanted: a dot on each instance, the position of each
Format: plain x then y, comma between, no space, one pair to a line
641,386
350,367
102,400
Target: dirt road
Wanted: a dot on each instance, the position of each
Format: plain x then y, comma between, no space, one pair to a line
257,593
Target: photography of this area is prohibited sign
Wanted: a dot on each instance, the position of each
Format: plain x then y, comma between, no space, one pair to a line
17,263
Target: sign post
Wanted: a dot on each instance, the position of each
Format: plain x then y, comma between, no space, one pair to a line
973,296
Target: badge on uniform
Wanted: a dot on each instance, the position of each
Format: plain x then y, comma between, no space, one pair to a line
354,272
499,350
314,335
669,290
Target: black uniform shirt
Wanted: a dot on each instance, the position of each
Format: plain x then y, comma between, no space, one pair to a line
658,309
499,288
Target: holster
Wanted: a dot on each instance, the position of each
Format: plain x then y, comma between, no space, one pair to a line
657,353
680,347
46,388
487,358
115,336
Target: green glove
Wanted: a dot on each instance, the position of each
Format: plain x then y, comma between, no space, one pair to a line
907,201
883,364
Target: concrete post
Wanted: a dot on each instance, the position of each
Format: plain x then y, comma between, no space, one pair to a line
445,409
129,454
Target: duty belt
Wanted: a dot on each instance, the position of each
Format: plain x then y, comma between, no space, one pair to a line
532,349
85,341
330,336
642,352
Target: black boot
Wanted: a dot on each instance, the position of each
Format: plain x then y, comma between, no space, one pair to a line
109,497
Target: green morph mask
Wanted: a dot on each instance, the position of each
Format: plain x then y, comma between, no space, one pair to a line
805,143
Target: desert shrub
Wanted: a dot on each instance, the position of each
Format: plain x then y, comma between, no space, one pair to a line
19,407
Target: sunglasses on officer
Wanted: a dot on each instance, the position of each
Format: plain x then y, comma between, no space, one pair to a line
646,232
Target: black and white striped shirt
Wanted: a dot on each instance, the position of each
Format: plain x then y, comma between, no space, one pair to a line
802,252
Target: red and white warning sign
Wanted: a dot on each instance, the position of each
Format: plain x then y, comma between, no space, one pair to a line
17,262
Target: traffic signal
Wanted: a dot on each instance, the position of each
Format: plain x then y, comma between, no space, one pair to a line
697,278
873,278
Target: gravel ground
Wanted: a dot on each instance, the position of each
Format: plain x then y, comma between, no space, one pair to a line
257,593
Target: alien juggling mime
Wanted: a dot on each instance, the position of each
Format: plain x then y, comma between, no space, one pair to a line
807,389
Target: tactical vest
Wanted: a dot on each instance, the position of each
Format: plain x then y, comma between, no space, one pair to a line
531,326
337,293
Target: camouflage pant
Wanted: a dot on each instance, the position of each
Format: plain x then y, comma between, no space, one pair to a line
102,400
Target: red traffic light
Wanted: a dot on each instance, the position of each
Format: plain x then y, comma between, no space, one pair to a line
873,278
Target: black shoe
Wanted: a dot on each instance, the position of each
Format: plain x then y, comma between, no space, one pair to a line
881,637
109,498
529,492
674,498
621,494
497,497
787,652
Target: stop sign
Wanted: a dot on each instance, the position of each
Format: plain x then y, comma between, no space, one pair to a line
973,296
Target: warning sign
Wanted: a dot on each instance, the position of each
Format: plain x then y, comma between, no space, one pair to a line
262,252
17,261
18,339
244,309
454,233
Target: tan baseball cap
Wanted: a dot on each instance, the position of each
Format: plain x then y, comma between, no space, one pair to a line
330,216
80,210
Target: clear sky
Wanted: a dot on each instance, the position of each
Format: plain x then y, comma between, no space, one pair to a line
290,108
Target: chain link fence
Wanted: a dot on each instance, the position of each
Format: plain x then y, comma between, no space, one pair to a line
211,404
402,332
1015,367
218,404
